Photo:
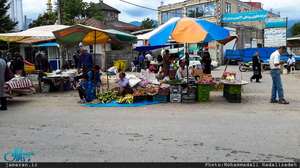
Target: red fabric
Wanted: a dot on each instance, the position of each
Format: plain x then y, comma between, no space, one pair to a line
24,86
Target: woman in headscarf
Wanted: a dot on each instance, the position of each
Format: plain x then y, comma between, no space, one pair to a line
206,61
19,65
256,67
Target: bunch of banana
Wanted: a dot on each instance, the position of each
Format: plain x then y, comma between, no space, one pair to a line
107,96
128,99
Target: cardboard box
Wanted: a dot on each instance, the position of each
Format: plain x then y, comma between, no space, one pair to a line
198,72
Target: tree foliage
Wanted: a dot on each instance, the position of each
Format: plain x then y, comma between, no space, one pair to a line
50,19
148,24
71,10
92,11
295,30
6,24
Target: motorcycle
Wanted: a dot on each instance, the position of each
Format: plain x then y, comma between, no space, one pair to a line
243,67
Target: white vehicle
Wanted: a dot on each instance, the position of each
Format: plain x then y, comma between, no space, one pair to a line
195,60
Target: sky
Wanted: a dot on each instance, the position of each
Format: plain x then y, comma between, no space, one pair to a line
32,8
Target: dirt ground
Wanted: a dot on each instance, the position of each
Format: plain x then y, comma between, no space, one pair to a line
58,129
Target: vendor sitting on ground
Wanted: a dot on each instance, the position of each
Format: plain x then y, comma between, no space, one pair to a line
124,86
97,74
86,90
182,71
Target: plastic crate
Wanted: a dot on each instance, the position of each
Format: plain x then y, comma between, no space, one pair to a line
204,97
233,89
160,98
233,98
175,89
218,87
203,89
150,98
175,98
139,98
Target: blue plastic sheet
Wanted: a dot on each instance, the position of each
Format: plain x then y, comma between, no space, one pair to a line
113,104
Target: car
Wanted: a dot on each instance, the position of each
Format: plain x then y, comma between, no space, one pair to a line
195,60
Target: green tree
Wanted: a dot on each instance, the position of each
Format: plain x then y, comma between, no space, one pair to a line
75,8
50,19
92,11
295,30
72,9
148,24
6,24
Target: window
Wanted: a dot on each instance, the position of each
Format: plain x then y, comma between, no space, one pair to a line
238,9
228,8
246,10
199,11
170,14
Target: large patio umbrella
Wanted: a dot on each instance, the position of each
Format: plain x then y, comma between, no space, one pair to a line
188,30
88,35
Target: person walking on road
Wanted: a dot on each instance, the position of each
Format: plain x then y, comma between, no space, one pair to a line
2,81
86,60
256,67
275,64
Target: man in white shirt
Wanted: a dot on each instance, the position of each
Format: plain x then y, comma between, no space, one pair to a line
148,59
290,62
275,64
182,71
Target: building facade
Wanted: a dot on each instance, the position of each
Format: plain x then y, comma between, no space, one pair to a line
251,32
16,13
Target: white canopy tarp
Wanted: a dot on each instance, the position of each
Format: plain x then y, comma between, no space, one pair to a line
35,34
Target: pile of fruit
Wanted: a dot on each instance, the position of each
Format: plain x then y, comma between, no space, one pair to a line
141,91
107,96
206,81
163,91
128,99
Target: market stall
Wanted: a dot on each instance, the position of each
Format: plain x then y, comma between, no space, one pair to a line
18,85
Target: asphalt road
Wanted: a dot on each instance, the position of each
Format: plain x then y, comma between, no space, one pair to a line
58,129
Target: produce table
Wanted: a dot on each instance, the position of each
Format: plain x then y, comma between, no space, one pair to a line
18,86
56,79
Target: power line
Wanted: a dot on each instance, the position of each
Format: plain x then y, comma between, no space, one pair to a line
138,5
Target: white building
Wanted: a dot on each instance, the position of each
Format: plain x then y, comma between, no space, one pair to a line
16,13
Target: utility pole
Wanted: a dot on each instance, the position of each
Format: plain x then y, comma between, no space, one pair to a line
60,22
59,11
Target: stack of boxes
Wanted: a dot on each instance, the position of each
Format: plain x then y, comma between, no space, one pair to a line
204,93
232,93
175,93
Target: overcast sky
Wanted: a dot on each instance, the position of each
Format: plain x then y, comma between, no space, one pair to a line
287,8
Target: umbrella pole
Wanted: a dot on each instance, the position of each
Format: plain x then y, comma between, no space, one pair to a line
106,64
228,59
94,51
230,55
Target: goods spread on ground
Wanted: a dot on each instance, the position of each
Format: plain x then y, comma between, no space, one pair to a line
142,91
107,96
128,99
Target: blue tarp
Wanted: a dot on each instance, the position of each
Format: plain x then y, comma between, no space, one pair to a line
46,45
147,48
113,104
